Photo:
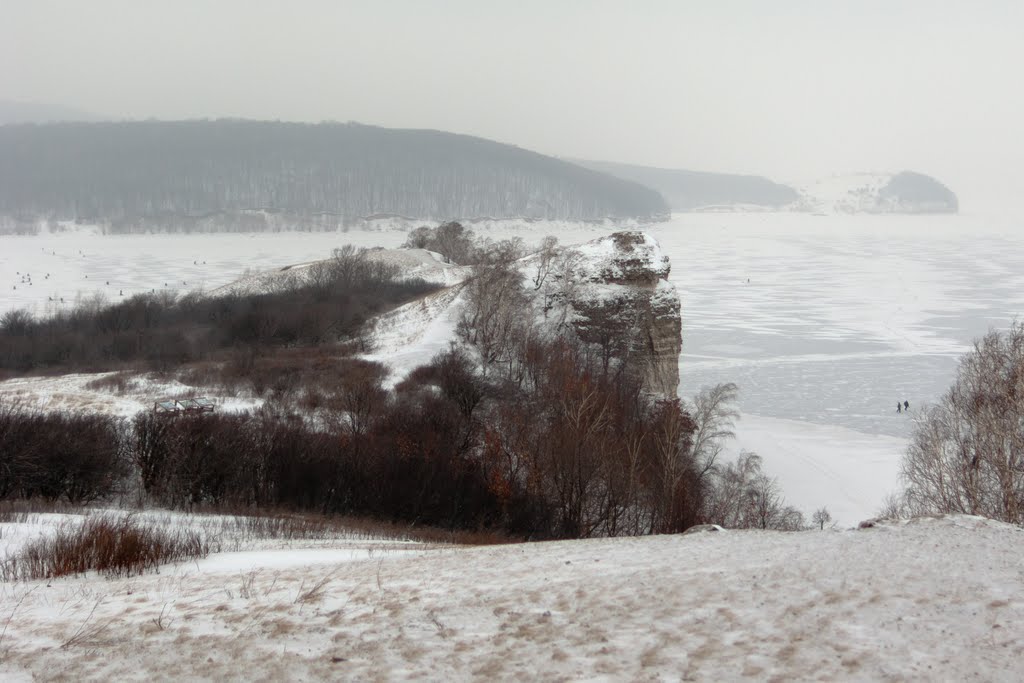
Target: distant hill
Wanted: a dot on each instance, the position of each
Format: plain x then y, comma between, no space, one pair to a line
166,175
690,190
38,112
904,192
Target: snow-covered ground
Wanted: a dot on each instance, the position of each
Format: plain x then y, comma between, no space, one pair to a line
410,335
79,264
932,599
842,316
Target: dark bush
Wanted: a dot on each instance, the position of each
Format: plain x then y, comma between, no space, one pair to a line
163,331
73,457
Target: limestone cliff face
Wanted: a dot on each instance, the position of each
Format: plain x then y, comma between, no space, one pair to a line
623,303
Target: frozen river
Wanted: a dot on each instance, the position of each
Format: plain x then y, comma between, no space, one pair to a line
842,316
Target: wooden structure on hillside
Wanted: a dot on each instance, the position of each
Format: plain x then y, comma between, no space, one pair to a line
183,406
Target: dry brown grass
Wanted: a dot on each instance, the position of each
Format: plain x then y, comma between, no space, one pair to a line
19,510
113,546
291,526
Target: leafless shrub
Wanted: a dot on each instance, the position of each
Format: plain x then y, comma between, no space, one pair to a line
315,592
742,496
546,257
113,546
163,331
161,621
88,631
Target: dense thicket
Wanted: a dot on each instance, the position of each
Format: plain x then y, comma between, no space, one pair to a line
164,175
165,331
564,453
77,458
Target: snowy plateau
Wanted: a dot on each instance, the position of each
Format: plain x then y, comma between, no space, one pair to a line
823,321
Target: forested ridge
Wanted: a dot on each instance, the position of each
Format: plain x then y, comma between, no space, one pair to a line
151,174
689,190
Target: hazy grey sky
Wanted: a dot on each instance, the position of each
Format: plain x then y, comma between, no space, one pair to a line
789,88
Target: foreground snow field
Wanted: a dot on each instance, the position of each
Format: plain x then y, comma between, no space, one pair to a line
930,599
842,317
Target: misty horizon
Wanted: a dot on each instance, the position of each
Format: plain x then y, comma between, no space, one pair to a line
793,92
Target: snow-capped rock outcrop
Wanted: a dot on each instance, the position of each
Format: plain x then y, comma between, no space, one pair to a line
905,192
623,289
612,292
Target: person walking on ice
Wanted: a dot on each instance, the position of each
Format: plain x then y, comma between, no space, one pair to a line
899,407
906,406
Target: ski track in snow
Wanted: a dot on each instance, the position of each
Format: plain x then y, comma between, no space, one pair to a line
842,316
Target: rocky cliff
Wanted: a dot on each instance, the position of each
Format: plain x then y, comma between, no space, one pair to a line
624,303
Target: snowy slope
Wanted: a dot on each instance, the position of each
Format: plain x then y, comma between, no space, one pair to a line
934,599
847,471
412,334
413,264
82,263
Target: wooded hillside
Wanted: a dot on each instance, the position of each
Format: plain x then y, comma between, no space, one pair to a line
130,174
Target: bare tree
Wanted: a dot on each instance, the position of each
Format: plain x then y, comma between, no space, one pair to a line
742,496
452,240
496,305
714,412
821,517
17,322
967,453
545,260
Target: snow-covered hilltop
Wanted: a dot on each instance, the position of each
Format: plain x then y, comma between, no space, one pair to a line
905,192
611,290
